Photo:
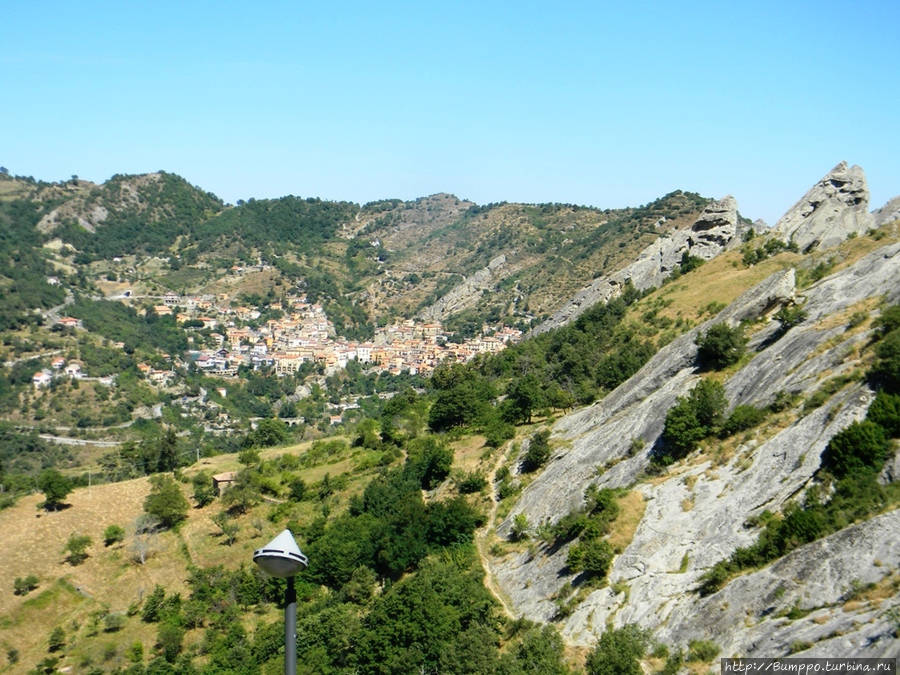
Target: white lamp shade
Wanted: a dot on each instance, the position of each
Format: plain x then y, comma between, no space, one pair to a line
281,557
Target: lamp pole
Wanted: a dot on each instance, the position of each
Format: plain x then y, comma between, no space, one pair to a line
282,558
290,628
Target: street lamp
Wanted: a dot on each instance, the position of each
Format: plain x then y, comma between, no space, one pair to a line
282,558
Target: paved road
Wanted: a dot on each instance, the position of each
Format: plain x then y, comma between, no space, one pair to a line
62,440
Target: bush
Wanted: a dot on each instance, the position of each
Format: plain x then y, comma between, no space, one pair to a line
693,418
25,586
790,316
57,639
721,346
619,652
471,482
743,417
165,501
861,447
76,548
592,557
885,412
114,622
538,451
887,367
113,535
702,650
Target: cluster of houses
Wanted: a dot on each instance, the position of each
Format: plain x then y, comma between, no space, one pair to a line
304,334
61,369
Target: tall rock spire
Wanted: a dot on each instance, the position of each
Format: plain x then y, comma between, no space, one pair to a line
834,208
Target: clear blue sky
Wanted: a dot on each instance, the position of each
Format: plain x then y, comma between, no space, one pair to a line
606,104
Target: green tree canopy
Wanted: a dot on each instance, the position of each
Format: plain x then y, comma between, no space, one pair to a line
55,487
721,345
166,501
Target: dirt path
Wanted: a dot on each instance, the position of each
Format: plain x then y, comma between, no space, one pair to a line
483,535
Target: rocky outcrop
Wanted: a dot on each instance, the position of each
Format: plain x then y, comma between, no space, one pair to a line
887,213
710,234
833,209
466,293
698,513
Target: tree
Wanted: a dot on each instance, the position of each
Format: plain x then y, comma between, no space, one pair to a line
169,638
167,459
538,451
243,493
143,545
25,586
57,639
204,492
429,460
861,447
523,396
76,547
55,487
721,346
153,605
619,652
693,418
166,501
229,527
269,432
113,534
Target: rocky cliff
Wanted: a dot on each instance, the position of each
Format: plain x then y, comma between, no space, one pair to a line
716,228
466,293
833,209
697,513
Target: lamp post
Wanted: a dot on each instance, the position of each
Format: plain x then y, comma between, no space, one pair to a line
282,558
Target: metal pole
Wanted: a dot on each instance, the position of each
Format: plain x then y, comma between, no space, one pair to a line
290,629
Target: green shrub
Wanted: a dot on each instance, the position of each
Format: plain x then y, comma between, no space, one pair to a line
743,417
863,446
887,366
790,316
721,345
25,586
538,451
593,557
693,418
76,548
885,412
702,650
619,652
471,482
113,535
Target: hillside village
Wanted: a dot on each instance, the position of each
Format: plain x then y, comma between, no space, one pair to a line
279,347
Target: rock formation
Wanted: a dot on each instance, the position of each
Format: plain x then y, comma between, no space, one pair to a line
834,208
466,293
887,213
712,232
675,544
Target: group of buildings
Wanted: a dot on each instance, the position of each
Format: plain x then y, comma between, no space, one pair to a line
304,334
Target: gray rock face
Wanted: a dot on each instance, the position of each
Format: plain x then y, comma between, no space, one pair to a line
710,234
698,513
834,208
466,293
887,213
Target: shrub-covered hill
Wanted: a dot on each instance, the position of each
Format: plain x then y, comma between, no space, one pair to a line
394,582
377,262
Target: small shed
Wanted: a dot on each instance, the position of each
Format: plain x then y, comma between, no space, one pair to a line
222,481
